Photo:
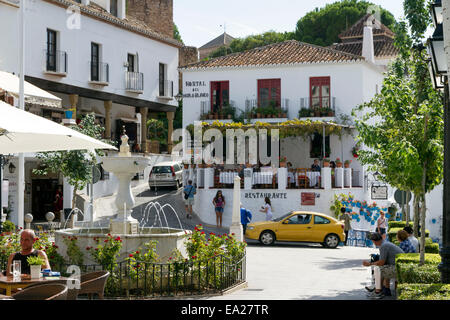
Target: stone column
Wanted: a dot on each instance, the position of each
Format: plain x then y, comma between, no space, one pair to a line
108,106
73,104
170,117
339,177
326,178
144,115
236,226
282,178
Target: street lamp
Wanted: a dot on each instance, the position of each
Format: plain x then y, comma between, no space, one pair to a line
439,69
179,97
436,13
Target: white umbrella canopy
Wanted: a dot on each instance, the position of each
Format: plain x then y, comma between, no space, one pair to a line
22,131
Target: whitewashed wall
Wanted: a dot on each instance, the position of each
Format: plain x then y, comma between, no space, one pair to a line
115,42
351,84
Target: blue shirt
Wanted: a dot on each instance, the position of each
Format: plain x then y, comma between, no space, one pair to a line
246,216
407,246
189,188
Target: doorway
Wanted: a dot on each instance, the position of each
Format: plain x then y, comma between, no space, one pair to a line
43,196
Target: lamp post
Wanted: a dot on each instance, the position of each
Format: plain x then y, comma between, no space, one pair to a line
439,70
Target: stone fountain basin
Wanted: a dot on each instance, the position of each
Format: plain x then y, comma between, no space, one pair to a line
168,240
125,164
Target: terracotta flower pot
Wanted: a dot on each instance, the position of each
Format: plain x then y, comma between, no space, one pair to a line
283,164
346,165
339,164
326,164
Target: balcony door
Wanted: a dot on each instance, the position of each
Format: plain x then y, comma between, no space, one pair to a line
319,92
269,92
95,60
220,95
51,50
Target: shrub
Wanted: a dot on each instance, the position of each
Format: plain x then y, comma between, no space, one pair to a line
412,273
430,258
8,226
397,224
436,291
73,251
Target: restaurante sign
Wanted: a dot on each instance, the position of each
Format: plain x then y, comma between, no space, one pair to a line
262,195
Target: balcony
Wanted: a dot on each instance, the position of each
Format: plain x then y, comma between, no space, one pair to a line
165,89
269,113
56,63
227,113
317,107
134,82
99,73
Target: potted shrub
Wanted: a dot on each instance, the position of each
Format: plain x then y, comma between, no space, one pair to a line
35,266
8,227
210,115
347,163
284,113
317,112
326,162
304,112
259,112
338,163
283,160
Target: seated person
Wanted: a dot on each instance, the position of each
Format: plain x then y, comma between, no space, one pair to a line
405,243
27,239
412,238
315,167
385,266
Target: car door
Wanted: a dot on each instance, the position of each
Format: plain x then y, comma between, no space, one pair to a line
295,228
321,227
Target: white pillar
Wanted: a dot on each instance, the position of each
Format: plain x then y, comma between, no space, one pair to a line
21,168
209,178
282,178
248,176
339,177
236,226
326,177
347,177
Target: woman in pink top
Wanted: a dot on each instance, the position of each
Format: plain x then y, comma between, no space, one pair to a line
381,225
219,204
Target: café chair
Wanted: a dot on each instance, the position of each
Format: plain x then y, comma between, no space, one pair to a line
302,178
94,283
47,291
72,293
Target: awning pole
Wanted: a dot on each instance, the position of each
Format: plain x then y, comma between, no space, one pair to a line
323,147
21,168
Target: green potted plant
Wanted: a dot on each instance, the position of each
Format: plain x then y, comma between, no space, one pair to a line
317,112
326,162
304,112
284,113
347,163
283,160
338,163
36,264
8,227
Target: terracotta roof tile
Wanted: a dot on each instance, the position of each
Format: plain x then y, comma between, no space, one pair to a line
357,30
288,52
382,48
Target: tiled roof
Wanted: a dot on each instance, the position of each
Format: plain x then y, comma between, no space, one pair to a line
382,48
128,23
288,52
223,39
357,30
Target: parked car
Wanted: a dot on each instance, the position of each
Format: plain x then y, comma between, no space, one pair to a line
166,174
302,226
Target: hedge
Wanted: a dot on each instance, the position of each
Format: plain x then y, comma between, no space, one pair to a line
397,224
413,273
436,291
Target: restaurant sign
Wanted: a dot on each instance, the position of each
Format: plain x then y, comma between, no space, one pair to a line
379,192
262,195
308,198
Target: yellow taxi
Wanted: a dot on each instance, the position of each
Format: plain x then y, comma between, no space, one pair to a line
302,226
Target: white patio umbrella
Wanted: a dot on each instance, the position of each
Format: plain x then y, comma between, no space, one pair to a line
22,131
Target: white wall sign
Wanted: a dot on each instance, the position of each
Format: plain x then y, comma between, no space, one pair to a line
379,192
196,89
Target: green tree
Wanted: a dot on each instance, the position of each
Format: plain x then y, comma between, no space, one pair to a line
403,127
176,33
322,26
75,165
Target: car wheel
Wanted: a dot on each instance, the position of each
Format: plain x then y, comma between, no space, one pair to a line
267,238
331,241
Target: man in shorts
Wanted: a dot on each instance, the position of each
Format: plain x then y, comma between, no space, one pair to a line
189,192
384,268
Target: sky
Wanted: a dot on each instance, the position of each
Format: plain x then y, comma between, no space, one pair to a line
200,21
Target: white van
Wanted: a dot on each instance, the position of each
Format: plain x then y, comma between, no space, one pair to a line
166,174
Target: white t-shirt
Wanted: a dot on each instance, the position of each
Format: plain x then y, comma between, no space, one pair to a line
268,212
414,242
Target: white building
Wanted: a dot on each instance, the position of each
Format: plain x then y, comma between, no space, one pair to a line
96,59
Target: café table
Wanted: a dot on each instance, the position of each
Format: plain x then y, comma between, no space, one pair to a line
313,177
8,283
227,177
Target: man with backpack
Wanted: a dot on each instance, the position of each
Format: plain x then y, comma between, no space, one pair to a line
189,192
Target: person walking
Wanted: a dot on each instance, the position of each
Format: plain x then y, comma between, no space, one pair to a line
381,225
219,204
246,217
267,209
345,216
189,192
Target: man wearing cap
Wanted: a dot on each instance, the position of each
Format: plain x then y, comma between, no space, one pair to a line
384,267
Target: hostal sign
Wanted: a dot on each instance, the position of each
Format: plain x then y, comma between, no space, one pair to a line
196,89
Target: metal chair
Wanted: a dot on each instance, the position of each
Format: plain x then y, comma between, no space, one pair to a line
47,291
94,283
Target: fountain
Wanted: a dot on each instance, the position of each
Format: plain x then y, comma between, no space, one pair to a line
134,233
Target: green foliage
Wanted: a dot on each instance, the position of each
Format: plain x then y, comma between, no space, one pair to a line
138,257
437,291
176,33
414,258
44,243
76,165
322,26
336,203
106,254
73,251
8,245
35,261
8,226
157,130
398,224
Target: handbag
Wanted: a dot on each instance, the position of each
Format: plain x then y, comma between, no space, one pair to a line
186,195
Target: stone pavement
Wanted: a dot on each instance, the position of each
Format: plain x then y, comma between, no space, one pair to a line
284,271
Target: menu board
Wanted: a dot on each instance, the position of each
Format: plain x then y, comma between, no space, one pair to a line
308,198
